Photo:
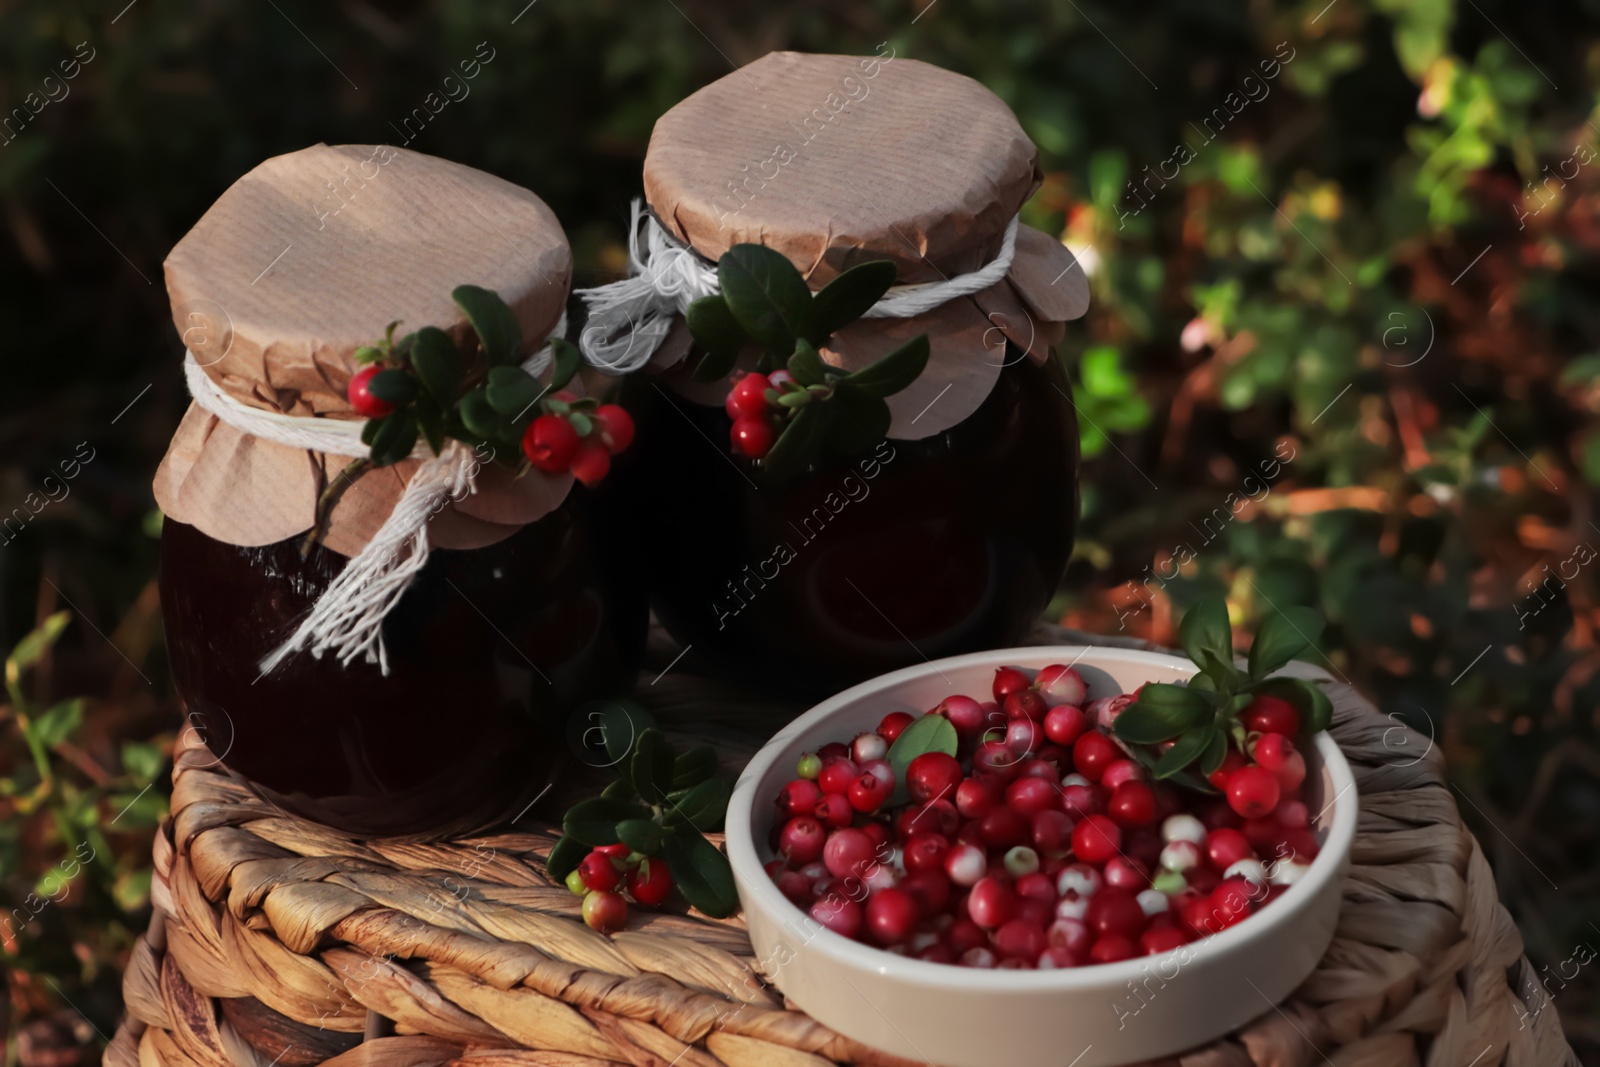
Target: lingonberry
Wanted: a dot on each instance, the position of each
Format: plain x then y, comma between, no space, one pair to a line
1096,839
1082,800
1142,843
748,397
808,766
1008,680
880,768
1064,723
550,443
792,884
1153,902
964,713
1293,814
1051,831
868,793
838,913
1124,770
359,393
1038,886
867,747
1267,714
598,872
799,797
1003,827
1225,847
1248,869
1231,762
878,832
1124,873
832,751
574,883
892,725
833,810
1155,941
615,426
992,902
1216,815
605,911
1029,796
925,852
1020,861
591,463
1060,684
1302,845
1180,856
1231,901
837,775
975,796
936,816
965,864
891,916
981,958
1113,949
1022,738
1020,939
1253,791
847,851
1025,704
753,436
1093,753
1115,910
802,839
650,883
1132,803
1053,958
931,889
1292,773
1273,750
933,776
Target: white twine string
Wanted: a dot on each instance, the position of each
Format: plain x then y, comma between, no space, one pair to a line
347,618
630,318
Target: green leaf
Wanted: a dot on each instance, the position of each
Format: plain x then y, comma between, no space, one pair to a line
797,446
1216,751
1190,746
641,835
715,330
1205,631
581,423
893,372
621,789
393,438
494,322
57,724
848,297
650,767
766,296
805,366
565,857
393,386
930,733
430,420
512,390
702,807
438,364
594,822
30,648
478,416
857,422
694,766
142,761
702,874
1144,723
714,366
1282,636
567,361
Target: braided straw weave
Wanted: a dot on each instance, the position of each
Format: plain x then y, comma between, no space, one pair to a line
280,942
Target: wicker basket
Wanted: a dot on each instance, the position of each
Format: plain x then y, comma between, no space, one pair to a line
280,942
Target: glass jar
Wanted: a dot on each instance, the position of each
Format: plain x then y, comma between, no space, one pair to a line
920,549
488,650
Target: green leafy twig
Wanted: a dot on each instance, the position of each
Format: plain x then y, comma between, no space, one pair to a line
662,804
822,410
1202,719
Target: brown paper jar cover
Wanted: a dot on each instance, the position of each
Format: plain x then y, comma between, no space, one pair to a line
835,160
300,262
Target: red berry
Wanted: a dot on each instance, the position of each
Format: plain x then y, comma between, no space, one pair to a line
1081,800
936,816
598,872
1114,910
753,436
802,839
868,793
615,425
1157,940
1096,839
1120,771
892,725
1064,723
1051,831
550,443
1025,704
1230,763
891,916
1038,886
1060,685
1029,796
964,713
1272,751
1231,901
1132,804
1093,753
837,775
591,464
833,810
965,864
963,935
1020,939
605,911
1271,715
799,797
792,884
1302,845
1253,791
618,851
1263,833
847,852
975,796
1008,680
933,776
878,832
925,852
995,758
651,882
838,913
1292,774
1124,872
360,394
1112,949
833,750
1003,828
748,397
931,890
1225,847
992,902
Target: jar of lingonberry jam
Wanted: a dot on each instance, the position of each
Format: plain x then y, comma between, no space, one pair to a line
452,716
949,534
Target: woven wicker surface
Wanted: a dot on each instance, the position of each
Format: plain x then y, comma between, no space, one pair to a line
277,941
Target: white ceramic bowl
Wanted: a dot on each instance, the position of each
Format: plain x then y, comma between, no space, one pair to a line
1094,1016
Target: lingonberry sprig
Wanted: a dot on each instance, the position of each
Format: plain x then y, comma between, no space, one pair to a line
1221,715
420,384
796,409
646,831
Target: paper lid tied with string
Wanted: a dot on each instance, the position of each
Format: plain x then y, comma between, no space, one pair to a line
833,161
302,261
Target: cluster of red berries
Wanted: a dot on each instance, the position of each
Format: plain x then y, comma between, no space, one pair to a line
553,444
1040,843
605,872
755,425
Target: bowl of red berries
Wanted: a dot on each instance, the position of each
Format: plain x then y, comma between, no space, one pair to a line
1084,855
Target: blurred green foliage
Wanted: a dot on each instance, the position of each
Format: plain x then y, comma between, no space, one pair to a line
1380,259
